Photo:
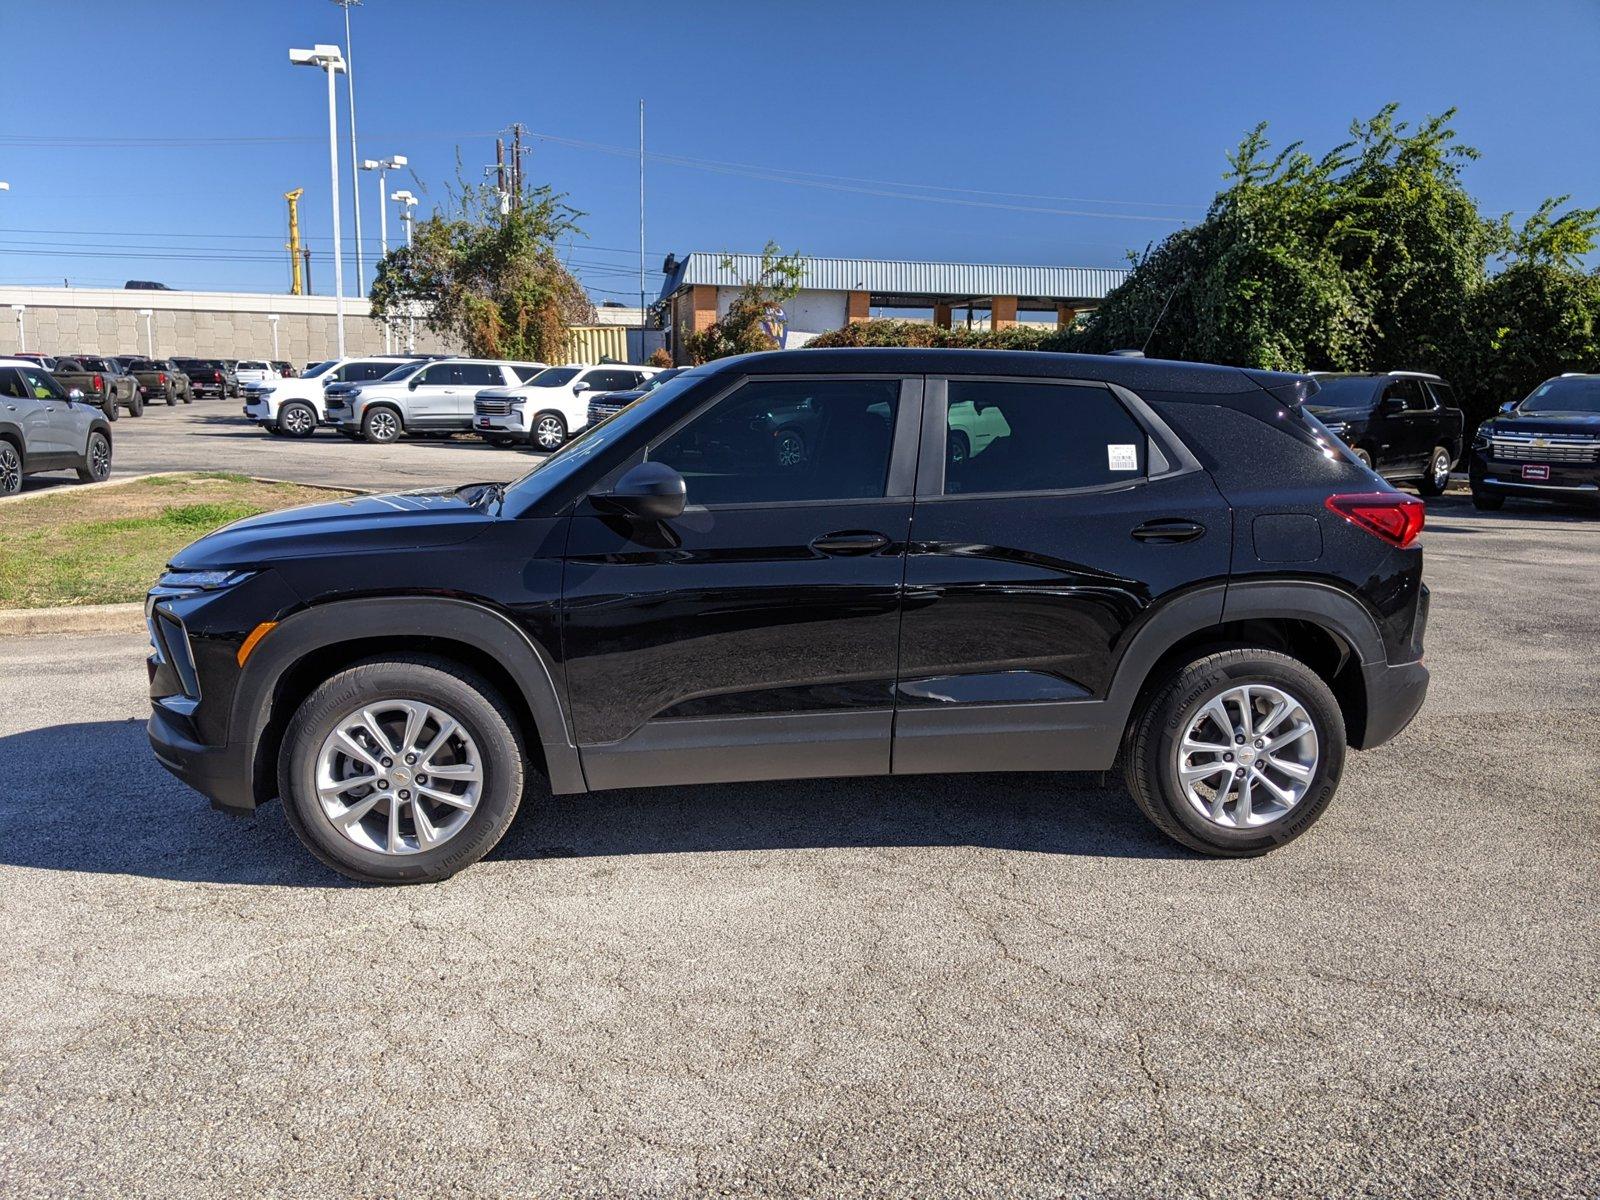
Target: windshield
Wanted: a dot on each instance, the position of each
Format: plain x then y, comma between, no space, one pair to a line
655,381
321,368
247,365
1349,391
597,438
403,371
554,377
1581,395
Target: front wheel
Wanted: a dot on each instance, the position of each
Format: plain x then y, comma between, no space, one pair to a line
401,770
96,460
1364,457
1488,501
380,425
10,470
172,397
549,431
1438,476
109,406
136,406
500,441
297,420
1236,753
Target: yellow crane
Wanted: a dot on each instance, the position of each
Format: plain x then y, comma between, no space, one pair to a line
297,285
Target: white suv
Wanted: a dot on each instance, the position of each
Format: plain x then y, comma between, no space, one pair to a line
295,407
426,397
254,370
553,405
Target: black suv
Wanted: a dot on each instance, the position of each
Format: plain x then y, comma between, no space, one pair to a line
984,561
1545,446
1403,424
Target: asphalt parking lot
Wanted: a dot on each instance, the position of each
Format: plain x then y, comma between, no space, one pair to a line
214,435
942,986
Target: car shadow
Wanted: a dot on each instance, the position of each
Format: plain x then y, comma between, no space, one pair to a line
90,797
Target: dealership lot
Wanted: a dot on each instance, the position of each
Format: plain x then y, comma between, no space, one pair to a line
941,986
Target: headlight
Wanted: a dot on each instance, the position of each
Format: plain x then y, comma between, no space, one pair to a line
353,393
202,581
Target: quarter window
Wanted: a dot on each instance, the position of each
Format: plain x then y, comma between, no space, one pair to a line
776,441
1030,437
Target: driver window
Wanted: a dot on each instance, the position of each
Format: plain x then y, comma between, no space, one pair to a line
775,441
11,387
39,383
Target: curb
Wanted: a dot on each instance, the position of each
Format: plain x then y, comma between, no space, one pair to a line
79,488
80,618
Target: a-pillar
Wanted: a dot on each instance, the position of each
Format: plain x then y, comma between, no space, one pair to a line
1002,312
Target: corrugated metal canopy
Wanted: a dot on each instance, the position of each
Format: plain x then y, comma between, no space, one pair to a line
929,280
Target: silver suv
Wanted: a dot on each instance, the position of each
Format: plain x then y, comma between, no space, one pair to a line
423,397
43,427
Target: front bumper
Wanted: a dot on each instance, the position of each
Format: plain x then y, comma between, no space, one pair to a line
261,413
1571,482
499,425
222,774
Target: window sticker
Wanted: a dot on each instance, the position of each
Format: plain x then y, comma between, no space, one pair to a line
1122,456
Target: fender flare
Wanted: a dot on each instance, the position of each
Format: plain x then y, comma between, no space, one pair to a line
473,624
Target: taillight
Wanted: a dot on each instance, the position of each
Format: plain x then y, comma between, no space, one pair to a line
161,378
1394,517
216,376
99,384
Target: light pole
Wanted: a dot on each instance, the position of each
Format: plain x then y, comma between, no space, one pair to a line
272,319
407,202
149,336
383,166
331,62
22,330
355,186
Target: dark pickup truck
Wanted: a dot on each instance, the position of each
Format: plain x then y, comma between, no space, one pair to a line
1545,446
209,376
102,381
1403,424
159,379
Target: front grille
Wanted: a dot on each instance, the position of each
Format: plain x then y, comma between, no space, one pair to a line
599,412
492,408
1553,450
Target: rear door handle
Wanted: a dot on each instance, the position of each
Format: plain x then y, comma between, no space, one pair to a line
850,541
1168,530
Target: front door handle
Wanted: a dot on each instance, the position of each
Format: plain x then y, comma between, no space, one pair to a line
1168,530
850,541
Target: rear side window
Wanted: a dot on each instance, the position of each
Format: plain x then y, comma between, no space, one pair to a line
364,371
612,381
777,441
440,374
481,375
1443,394
1030,437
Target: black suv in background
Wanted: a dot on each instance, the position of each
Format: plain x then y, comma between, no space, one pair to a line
1402,424
1545,446
1170,564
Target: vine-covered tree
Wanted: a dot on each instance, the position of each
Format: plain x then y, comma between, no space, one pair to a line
491,281
739,330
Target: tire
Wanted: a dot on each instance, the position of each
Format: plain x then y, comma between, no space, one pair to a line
96,459
486,724
789,449
1488,501
958,449
381,425
1438,477
1152,754
136,406
188,396
110,407
10,469
172,397
548,431
1362,456
297,420
500,441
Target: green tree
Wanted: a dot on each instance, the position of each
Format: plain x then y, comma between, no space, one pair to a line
489,281
739,330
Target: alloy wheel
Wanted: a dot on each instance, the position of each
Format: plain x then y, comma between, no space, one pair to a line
399,776
10,469
791,449
1248,756
383,426
549,433
99,457
1441,470
296,419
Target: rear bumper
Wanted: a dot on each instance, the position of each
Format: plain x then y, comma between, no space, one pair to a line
222,774
1395,693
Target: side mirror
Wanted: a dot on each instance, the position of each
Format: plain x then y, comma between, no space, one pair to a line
1392,405
414,381
651,491
1510,406
75,395
582,385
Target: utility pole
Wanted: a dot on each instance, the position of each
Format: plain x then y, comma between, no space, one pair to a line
516,165
355,158
500,175
305,253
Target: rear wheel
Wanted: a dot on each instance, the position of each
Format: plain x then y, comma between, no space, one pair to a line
136,406
549,431
1364,457
380,425
10,469
401,770
1488,501
96,459
172,396
1236,753
1438,475
790,449
109,406
297,420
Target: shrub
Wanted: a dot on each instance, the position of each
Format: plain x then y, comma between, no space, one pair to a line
924,334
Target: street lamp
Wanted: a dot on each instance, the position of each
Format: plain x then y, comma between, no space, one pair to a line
272,319
332,63
383,166
149,336
407,202
22,330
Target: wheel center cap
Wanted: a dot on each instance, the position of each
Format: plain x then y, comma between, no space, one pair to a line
1247,755
401,775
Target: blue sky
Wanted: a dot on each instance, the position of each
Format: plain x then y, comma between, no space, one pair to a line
1048,132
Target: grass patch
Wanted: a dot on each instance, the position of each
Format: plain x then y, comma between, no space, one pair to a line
109,545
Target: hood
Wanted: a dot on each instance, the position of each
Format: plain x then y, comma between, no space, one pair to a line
627,397
1340,412
401,521
1579,423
